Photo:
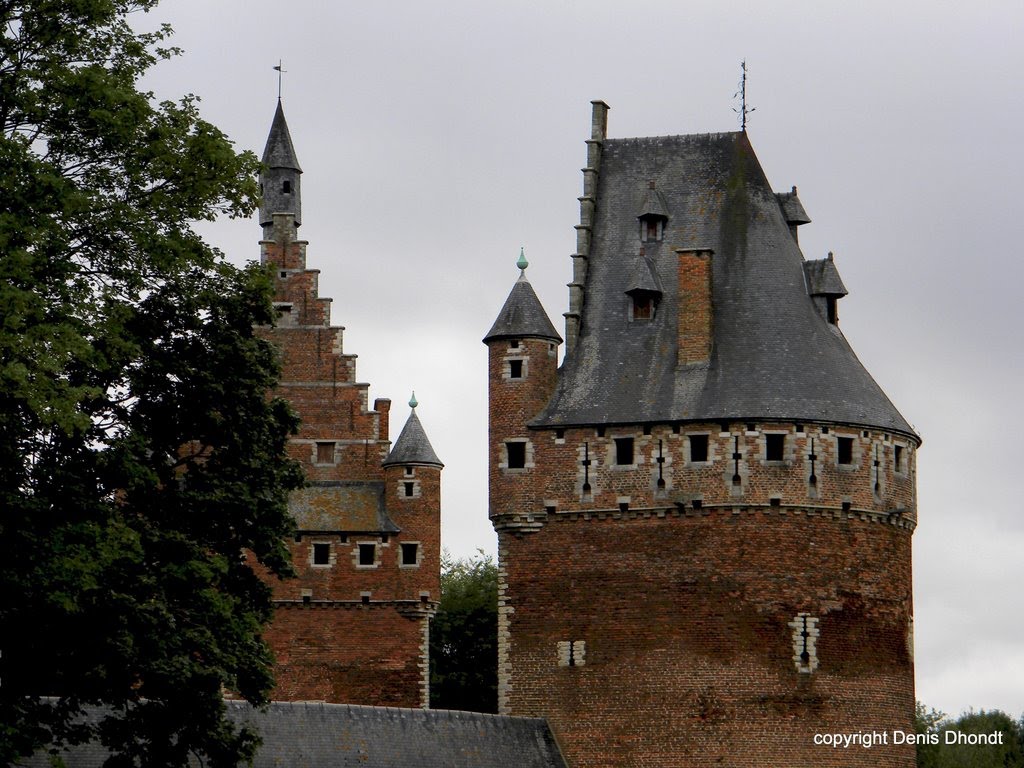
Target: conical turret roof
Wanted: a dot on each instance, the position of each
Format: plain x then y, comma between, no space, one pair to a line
522,316
412,446
280,152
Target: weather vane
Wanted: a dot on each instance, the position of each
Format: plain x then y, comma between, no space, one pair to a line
743,111
280,71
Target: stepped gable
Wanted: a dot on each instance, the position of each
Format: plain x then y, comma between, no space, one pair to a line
772,356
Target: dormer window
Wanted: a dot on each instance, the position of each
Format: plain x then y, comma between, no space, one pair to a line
643,307
653,215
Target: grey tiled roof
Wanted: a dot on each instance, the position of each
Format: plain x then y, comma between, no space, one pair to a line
653,204
644,276
773,355
412,446
314,735
792,209
279,151
522,316
823,278
346,506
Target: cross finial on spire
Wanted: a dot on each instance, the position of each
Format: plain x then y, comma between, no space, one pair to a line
741,94
522,263
280,71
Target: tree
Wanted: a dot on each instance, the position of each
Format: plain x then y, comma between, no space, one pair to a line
143,469
958,752
464,636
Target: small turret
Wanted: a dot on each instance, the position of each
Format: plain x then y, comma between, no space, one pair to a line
412,446
522,369
280,177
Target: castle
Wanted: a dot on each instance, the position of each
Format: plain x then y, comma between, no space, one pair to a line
704,516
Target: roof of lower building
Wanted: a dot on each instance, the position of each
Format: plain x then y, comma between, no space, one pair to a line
316,735
773,354
349,506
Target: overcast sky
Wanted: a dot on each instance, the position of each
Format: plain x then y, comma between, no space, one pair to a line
438,138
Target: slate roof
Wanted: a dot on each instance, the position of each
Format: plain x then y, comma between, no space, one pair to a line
315,735
522,316
792,209
412,446
279,151
823,278
773,355
346,506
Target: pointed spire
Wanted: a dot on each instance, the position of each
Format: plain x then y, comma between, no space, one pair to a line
280,176
522,315
279,151
412,446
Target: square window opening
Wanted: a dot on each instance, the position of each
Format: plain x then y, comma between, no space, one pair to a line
321,554
367,554
623,450
844,450
515,369
774,447
698,447
325,453
409,554
516,455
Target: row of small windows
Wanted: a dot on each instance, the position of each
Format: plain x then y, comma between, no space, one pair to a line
774,450
366,553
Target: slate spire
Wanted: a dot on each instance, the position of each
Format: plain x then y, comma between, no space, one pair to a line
280,176
412,446
522,316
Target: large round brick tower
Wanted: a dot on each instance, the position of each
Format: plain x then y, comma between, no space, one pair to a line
704,516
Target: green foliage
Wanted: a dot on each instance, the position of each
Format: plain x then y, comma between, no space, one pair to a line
464,637
952,752
143,468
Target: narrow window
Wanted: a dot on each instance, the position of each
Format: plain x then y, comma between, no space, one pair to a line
898,457
367,554
515,369
623,450
321,554
514,344
833,309
571,653
774,447
408,471
409,553
643,308
286,187
845,450
408,489
325,453
698,447
516,455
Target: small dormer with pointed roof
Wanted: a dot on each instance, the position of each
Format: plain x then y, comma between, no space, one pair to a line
280,177
644,288
792,211
825,286
653,215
